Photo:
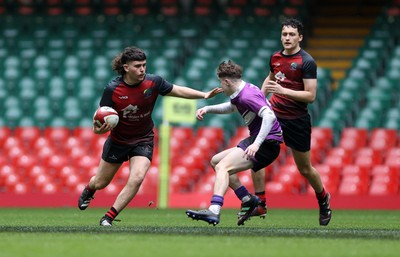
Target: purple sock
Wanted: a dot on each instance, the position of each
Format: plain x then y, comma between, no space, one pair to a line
217,200
241,192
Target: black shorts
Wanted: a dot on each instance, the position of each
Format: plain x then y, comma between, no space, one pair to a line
266,154
297,133
116,153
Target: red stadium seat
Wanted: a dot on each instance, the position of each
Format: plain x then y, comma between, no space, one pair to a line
152,175
40,143
14,153
289,174
318,150
353,138
55,163
182,133
207,145
384,185
140,7
351,188
76,154
392,159
277,187
57,136
5,132
86,162
11,142
246,180
330,176
355,180
352,169
20,188
86,136
41,180
49,188
25,162
323,135
341,155
72,143
383,139
35,171
65,172
44,153
3,160
27,136
211,133
71,180
205,188
7,170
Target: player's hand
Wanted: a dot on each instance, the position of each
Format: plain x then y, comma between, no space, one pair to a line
200,113
250,151
101,129
213,93
274,87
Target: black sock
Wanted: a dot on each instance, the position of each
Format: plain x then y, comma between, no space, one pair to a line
321,196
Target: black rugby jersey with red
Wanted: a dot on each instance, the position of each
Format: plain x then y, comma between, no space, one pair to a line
134,104
289,71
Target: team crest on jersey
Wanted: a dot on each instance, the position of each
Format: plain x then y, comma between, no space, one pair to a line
293,66
148,92
280,76
130,109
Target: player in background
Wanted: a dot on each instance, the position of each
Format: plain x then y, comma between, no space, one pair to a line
133,95
292,80
255,152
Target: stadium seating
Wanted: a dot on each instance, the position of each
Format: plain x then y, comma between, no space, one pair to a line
56,59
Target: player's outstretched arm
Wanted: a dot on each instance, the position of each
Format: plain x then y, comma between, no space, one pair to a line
190,93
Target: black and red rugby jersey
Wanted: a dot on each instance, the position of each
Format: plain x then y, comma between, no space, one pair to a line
289,71
134,104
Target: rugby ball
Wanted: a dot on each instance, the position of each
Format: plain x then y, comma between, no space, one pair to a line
106,114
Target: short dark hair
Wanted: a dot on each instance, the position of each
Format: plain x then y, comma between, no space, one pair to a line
229,69
131,53
294,23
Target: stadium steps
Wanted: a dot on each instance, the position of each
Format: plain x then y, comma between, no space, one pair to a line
339,29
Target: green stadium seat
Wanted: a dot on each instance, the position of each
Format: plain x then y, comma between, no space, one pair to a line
377,93
57,122
72,111
101,61
3,92
71,61
41,102
42,117
11,73
13,116
27,93
85,122
27,122
393,118
12,62
385,84
41,62
367,119
394,75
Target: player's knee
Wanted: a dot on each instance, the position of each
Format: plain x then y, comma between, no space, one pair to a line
213,162
306,170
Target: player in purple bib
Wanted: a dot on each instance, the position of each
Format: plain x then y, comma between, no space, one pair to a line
255,152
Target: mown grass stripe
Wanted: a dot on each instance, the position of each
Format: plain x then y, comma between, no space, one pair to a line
390,234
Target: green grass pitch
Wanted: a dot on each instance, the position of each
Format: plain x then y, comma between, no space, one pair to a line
152,232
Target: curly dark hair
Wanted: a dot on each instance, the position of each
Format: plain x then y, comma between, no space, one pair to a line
294,23
129,54
229,69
